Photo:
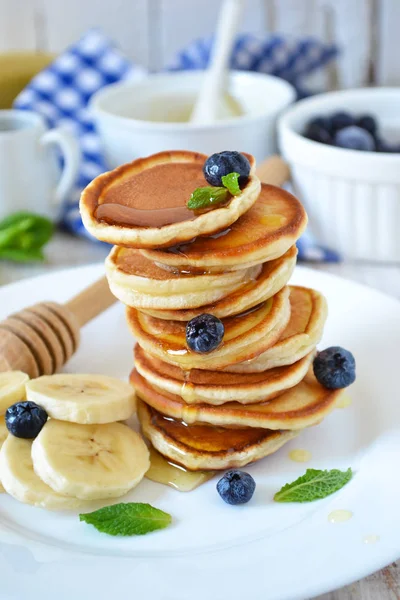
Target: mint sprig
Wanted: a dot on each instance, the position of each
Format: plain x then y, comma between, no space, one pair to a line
131,518
23,235
314,485
207,197
231,182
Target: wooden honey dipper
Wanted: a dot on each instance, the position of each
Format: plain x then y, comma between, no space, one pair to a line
40,339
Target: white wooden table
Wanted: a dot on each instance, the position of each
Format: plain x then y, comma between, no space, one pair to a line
66,251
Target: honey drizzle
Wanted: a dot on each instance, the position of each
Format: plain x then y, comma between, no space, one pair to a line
273,220
300,455
174,343
126,216
188,390
371,539
168,473
182,248
151,197
344,401
339,516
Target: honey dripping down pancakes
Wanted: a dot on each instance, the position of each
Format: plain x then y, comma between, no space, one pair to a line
225,347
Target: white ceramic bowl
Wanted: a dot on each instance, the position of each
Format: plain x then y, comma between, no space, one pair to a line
126,113
352,197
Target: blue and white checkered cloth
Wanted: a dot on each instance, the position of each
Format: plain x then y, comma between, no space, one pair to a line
61,93
291,59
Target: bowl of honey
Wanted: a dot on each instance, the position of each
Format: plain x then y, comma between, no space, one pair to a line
139,118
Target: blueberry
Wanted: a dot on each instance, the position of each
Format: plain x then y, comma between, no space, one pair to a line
382,146
395,148
236,487
318,134
340,120
355,138
368,123
204,333
220,164
335,368
322,122
25,419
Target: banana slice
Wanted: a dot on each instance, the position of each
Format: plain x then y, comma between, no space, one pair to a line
3,436
3,431
89,461
12,388
83,398
21,482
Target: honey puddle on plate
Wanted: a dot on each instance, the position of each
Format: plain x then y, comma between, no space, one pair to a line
371,539
339,516
300,455
344,401
166,472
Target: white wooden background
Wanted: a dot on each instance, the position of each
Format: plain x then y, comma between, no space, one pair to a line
151,31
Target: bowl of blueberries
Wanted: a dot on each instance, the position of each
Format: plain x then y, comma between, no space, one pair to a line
343,149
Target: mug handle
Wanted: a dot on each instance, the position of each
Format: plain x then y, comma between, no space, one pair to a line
70,150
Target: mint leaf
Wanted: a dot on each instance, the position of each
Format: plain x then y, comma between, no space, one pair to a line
206,197
23,235
231,182
131,518
10,234
313,485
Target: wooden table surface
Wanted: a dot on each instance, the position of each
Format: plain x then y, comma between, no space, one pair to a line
65,251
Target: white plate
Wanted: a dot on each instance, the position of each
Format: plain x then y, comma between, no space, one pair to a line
262,550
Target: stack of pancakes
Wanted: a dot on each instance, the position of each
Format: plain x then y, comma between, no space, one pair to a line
256,391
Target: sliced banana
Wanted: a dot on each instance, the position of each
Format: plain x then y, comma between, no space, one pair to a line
21,482
12,388
83,399
3,436
3,431
90,461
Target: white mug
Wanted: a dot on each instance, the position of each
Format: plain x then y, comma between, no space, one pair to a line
130,116
30,176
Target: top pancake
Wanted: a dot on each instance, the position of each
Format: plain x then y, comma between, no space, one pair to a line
143,204
263,233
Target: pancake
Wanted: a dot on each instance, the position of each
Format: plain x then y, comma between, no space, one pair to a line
216,387
307,319
274,276
301,406
143,204
138,282
201,447
263,233
246,335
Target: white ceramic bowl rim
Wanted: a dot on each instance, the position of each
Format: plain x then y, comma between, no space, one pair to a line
102,98
353,197
308,152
